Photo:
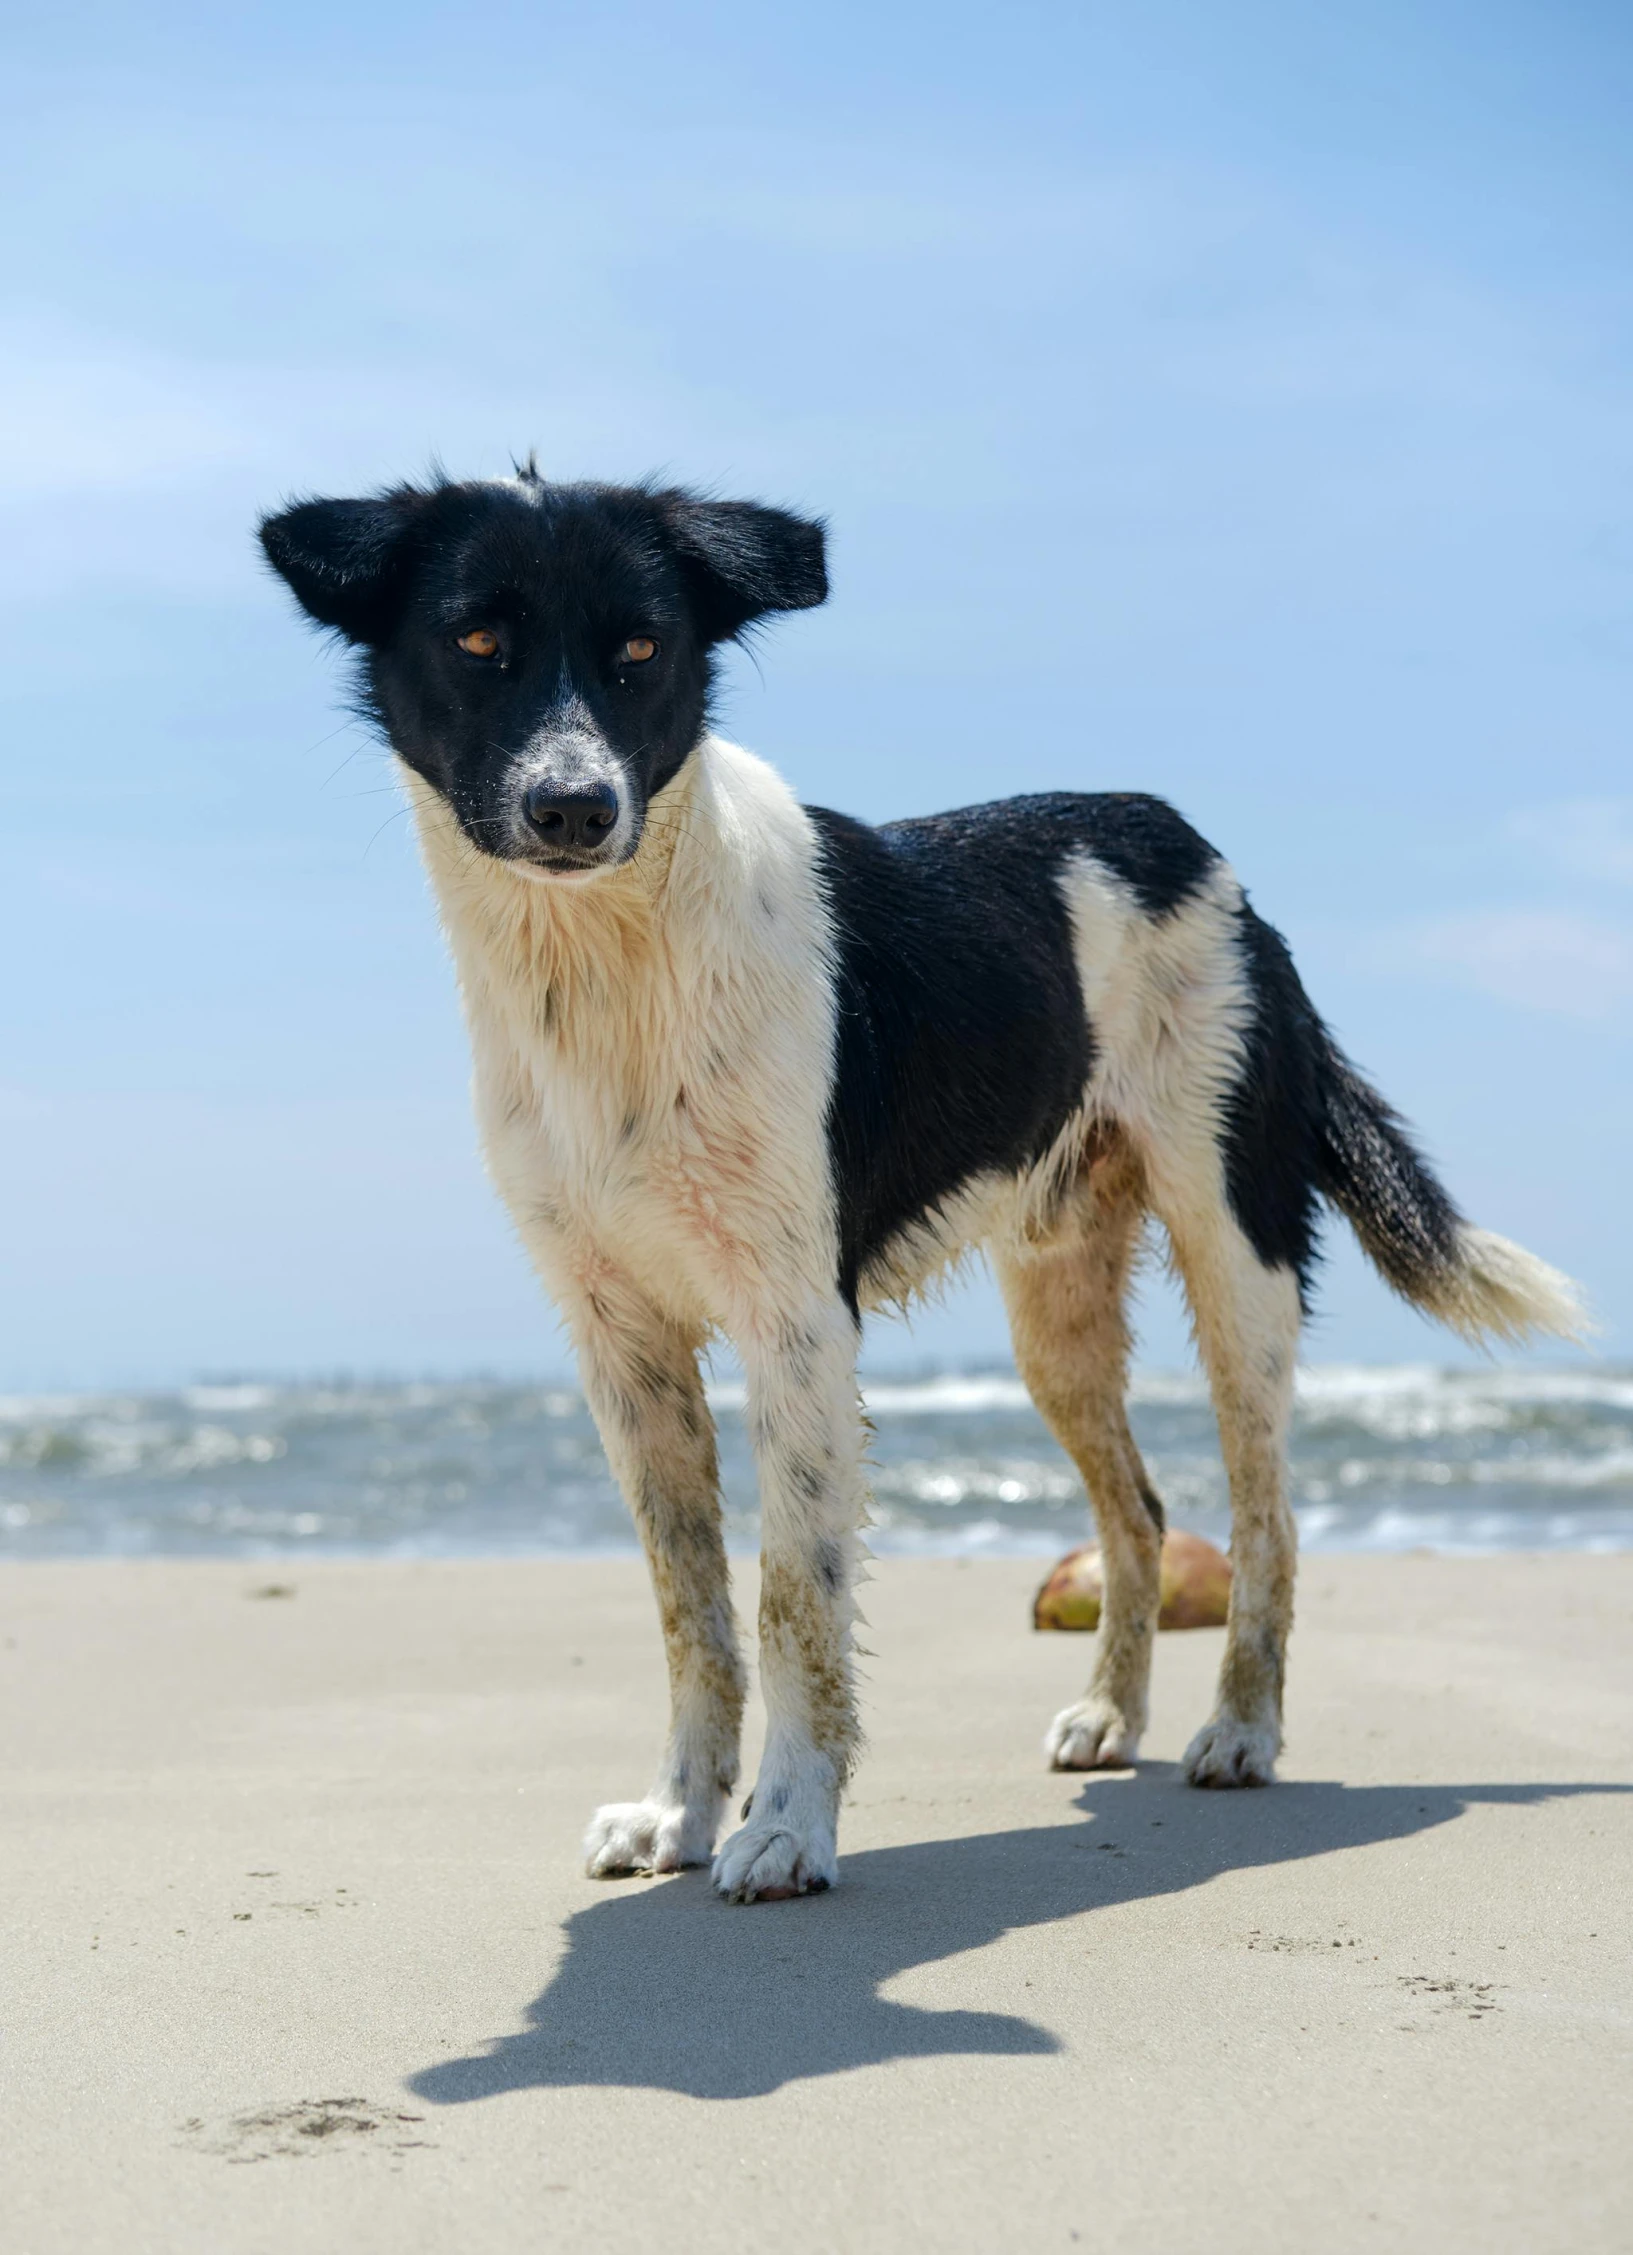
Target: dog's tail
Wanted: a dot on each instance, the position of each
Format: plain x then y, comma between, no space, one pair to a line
1478,1283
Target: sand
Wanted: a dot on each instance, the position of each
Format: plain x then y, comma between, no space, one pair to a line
297,1953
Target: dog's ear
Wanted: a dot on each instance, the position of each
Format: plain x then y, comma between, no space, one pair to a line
347,561
741,561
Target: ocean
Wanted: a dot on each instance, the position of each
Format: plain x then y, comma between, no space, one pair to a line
1384,1458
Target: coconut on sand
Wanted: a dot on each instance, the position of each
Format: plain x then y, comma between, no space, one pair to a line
1195,1586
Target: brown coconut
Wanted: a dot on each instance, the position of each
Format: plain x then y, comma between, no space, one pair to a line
1195,1587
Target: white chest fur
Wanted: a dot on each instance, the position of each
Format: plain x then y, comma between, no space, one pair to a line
654,1048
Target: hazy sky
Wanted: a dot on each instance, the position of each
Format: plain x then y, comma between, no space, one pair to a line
1230,401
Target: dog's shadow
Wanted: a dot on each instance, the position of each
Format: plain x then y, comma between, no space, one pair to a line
664,1987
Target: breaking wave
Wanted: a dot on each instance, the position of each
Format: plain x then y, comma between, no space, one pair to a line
1385,1457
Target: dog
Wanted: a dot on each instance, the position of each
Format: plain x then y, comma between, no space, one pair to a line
751,1068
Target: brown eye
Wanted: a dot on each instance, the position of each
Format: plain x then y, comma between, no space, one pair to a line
638,649
481,642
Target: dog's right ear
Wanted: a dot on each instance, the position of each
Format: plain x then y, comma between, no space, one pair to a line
347,561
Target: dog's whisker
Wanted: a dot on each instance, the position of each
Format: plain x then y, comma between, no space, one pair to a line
384,827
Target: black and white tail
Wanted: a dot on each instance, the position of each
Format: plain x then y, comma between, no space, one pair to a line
1472,1280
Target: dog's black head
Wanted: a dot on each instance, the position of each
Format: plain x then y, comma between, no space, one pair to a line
541,653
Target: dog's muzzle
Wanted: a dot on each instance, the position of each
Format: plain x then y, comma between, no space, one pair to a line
571,812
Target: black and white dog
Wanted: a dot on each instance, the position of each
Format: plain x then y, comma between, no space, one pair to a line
748,1067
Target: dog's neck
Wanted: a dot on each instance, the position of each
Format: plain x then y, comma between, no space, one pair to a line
646,941
542,923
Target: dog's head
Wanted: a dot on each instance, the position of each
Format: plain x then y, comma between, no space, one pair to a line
541,653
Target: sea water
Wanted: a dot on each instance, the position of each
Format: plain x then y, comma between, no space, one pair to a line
1383,1458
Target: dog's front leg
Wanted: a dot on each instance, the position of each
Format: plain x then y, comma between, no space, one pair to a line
641,1377
806,1426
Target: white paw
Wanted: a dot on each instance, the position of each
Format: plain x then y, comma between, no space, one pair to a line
1093,1735
631,1836
1228,1751
766,1863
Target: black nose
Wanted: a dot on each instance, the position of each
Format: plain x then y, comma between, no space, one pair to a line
582,819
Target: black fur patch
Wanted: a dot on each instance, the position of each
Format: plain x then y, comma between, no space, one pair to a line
1149,1497
829,1560
963,1045
1273,1120
1303,1125
1378,1179
1140,839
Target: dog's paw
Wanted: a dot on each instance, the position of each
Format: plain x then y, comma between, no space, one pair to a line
637,1836
1228,1751
766,1863
1093,1735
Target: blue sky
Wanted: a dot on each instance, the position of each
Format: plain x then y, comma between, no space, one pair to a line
1232,402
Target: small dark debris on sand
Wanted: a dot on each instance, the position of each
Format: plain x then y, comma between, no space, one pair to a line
311,2125
1451,1994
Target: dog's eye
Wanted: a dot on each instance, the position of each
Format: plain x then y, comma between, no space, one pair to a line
638,650
481,642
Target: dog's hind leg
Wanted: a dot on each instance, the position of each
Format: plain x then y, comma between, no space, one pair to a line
1247,1317
641,1376
1066,1305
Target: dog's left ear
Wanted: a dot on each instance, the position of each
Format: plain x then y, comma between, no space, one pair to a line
741,561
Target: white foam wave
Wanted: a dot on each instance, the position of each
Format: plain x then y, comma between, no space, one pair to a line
950,1395
1354,1387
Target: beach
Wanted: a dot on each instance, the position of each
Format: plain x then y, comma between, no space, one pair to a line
298,1951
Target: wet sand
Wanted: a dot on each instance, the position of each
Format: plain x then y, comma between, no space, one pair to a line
297,1953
